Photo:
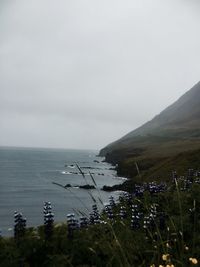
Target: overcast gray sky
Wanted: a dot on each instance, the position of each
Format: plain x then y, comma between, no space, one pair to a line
82,73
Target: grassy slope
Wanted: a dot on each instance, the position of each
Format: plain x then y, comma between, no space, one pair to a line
169,141
157,160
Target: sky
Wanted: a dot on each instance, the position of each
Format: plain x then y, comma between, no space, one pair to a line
83,73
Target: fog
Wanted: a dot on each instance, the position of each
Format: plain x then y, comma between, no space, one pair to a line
81,74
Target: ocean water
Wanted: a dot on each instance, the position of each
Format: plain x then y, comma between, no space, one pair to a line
26,181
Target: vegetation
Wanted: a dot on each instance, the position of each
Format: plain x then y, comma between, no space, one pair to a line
176,127
170,140
158,167
155,225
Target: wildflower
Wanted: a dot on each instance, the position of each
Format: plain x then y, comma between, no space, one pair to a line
193,260
186,248
152,265
170,265
165,257
58,225
92,250
161,265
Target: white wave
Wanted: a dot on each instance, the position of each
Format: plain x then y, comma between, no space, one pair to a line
64,172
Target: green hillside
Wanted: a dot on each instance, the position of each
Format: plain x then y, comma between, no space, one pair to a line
174,133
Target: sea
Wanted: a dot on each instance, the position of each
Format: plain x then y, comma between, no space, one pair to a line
30,176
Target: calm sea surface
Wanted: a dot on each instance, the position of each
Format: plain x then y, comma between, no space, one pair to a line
26,177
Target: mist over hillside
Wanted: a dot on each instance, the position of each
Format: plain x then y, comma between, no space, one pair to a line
175,130
179,120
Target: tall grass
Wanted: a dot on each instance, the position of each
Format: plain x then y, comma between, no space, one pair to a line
113,242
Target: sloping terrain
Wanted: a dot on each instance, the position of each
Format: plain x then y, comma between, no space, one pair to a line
175,130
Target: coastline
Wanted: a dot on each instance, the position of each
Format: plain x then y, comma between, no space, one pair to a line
26,182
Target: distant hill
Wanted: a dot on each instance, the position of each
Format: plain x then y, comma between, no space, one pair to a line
175,130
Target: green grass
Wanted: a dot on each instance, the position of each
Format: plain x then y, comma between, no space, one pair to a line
115,243
156,167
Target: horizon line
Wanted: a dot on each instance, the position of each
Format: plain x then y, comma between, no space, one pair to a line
50,148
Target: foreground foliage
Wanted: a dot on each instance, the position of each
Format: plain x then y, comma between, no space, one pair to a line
172,241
